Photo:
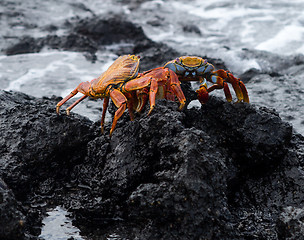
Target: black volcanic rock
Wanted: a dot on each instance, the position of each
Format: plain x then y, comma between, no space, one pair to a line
35,141
26,44
114,29
11,216
225,171
85,35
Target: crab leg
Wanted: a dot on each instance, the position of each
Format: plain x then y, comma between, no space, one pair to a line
82,88
244,91
169,94
152,94
143,82
175,86
130,104
226,90
237,84
142,98
74,104
202,92
220,79
104,110
121,103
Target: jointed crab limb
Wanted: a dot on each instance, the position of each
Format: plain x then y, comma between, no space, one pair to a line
155,83
152,94
220,77
120,102
221,86
74,104
82,88
104,111
202,92
142,98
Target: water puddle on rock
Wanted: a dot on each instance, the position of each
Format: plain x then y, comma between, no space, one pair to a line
57,225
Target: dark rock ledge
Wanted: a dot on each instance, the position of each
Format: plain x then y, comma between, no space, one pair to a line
225,171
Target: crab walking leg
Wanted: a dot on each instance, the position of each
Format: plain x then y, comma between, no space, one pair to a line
175,86
234,81
244,91
130,104
142,98
120,102
82,88
237,84
238,87
139,84
219,83
169,94
152,94
104,111
226,90
74,104
202,92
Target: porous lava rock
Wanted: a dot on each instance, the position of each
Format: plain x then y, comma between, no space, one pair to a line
222,171
35,144
11,216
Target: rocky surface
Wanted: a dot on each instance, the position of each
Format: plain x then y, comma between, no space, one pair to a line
225,171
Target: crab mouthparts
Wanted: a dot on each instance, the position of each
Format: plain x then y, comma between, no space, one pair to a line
190,74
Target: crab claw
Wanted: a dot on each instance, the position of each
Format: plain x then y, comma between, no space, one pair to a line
203,94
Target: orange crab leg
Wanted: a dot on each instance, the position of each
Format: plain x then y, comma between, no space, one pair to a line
82,88
152,94
169,94
244,91
74,104
142,82
222,84
121,103
175,86
142,98
130,104
104,110
202,92
237,84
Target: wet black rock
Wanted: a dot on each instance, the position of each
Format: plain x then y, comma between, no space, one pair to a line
35,144
11,216
114,29
191,28
225,171
26,44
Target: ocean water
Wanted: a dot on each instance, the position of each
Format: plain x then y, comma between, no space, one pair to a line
214,28
57,225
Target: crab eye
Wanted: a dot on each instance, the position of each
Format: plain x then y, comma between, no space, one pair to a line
178,60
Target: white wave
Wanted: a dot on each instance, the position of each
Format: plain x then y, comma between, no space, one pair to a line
286,41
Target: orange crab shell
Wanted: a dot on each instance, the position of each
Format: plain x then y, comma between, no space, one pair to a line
123,69
190,61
